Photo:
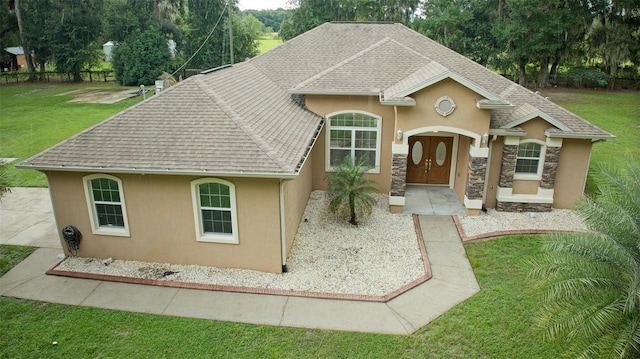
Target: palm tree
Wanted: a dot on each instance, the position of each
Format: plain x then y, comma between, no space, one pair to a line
349,188
591,281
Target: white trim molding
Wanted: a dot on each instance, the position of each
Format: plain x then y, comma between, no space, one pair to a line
472,203
399,149
96,228
478,151
396,200
201,236
554,142
378,130
543,196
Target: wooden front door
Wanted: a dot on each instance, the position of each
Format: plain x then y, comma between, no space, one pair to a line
429,160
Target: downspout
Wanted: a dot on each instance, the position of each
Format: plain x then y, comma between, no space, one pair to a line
283,236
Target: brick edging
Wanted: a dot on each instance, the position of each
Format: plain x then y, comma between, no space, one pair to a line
494,234
237,289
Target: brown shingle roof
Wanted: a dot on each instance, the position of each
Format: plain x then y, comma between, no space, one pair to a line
242,120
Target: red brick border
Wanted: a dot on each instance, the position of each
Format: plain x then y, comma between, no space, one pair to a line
226,288
488,235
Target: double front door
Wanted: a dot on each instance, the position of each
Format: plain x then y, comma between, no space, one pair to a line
429,160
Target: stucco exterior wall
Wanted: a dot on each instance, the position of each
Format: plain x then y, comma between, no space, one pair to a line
572,172
465,116
325,105
296,194
494,172
462,167
162,225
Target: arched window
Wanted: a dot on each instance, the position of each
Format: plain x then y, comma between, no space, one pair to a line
355,134
105,201
214,203
530,160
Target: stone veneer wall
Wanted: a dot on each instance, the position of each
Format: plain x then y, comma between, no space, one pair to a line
508,167
522,207
475,179
550,168
398,175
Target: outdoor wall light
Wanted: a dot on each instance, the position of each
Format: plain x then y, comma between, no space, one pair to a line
485,138
399,134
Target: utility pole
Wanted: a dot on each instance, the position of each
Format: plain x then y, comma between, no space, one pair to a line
230,31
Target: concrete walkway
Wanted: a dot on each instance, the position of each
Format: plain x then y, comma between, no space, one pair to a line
453,281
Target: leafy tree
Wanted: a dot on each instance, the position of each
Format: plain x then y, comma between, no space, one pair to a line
308,14
141,58
8,28
591,281
270,18
123,17
349,190
75,33
207,34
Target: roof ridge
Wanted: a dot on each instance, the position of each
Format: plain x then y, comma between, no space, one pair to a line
268,150
343,62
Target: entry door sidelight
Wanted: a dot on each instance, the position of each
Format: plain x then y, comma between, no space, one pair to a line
429,160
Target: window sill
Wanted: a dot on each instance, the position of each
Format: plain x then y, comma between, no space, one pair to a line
217,238
527,177
112,231
371,171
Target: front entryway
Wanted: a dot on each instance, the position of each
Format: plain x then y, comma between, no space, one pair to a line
432,200
429,160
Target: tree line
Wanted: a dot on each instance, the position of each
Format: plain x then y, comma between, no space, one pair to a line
591,39
151,36
531,40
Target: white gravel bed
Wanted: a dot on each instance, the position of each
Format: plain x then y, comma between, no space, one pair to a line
328,256
493,221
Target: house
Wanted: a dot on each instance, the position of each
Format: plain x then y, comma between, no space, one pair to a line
16,59
217,170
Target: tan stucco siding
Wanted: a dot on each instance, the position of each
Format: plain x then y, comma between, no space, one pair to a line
535,129
495,162
325,105
162,224
525,187
466,115
572,172
296,194
462,167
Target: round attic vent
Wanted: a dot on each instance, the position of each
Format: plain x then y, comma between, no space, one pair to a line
445,105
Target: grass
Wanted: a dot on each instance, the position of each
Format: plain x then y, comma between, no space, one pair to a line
35,117
495,323
268,42
616,112
11,255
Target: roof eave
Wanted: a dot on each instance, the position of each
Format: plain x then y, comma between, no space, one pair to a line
168,171
454,76
372,92
488,106
503,132
602,137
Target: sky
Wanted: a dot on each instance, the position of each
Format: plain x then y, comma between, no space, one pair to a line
261,4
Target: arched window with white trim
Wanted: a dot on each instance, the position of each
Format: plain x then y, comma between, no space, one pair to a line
105,202
355,134
214,205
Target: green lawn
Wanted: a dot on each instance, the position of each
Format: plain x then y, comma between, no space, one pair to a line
495,323
33,119
616,112
268,42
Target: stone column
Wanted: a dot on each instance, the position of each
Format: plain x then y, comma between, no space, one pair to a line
508,166
475,178
550,167
398,175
